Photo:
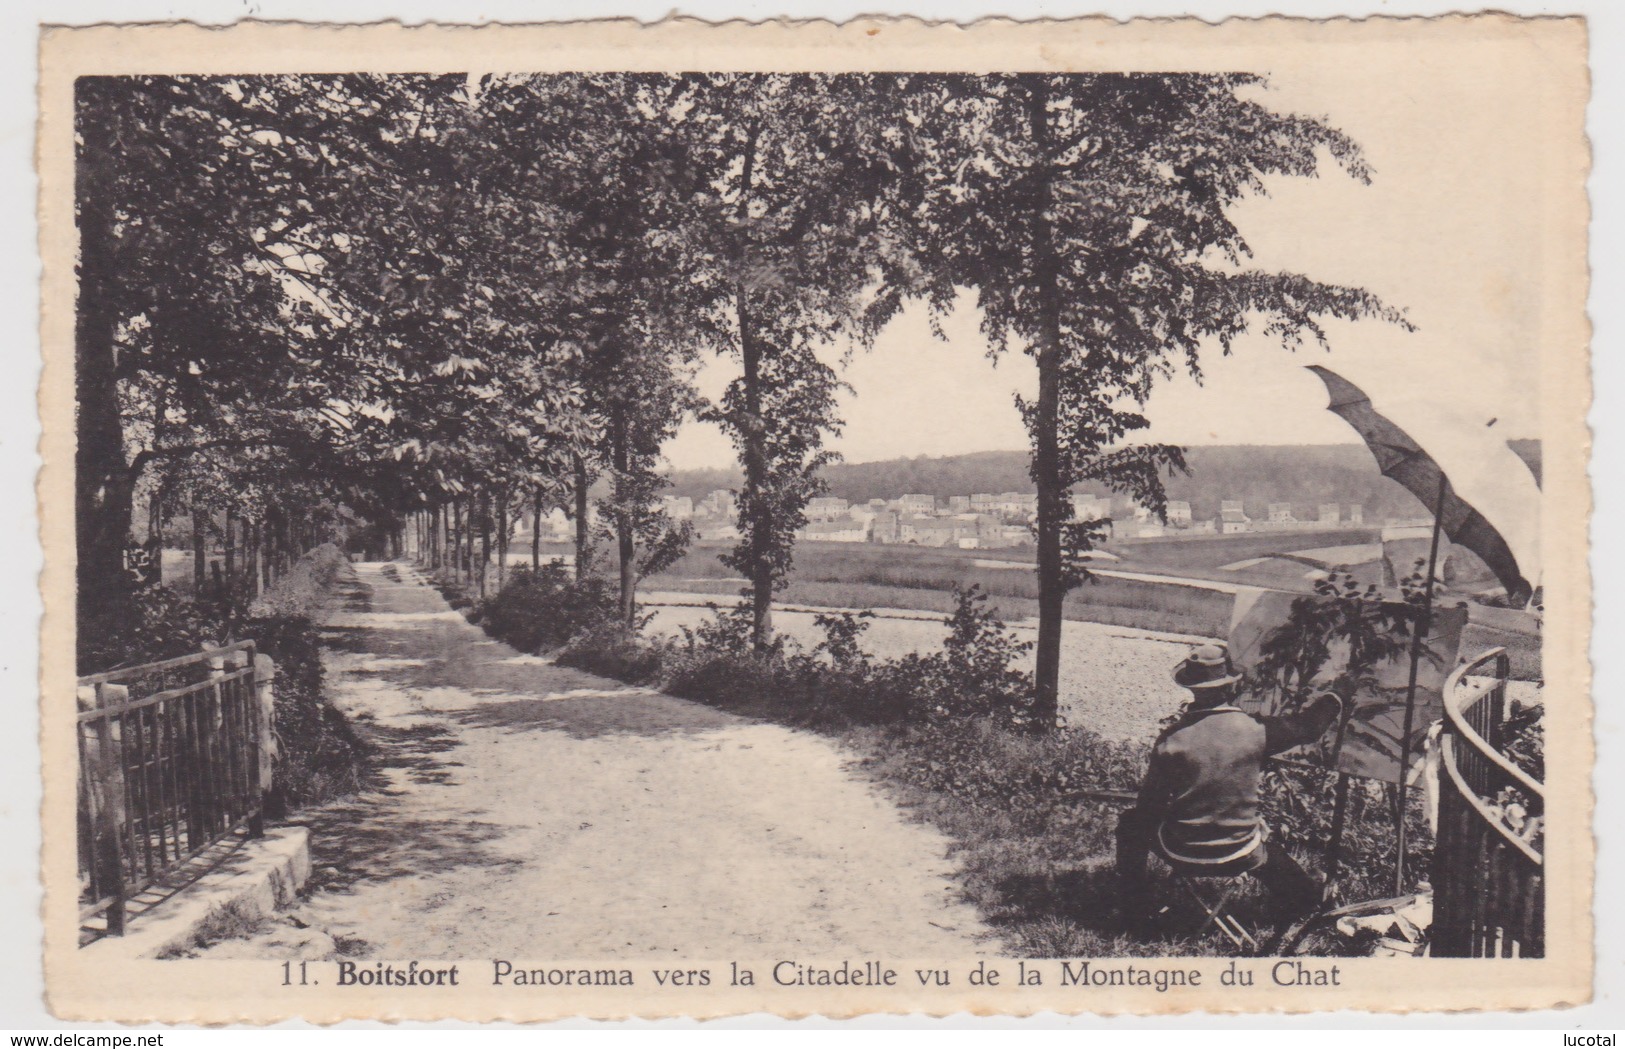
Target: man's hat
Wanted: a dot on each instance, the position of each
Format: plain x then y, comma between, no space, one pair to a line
1206,666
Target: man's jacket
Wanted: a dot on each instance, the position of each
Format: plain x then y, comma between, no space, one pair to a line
1202,784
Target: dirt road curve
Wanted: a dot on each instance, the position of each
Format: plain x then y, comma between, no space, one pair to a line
528,811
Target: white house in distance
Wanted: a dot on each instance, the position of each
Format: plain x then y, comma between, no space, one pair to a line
917,504
1232,518
1018,504
1090,507
1329,514
840,530
826,508
1179,514
1356,514
677,507
1281,513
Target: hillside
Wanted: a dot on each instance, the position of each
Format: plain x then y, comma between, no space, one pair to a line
1304,475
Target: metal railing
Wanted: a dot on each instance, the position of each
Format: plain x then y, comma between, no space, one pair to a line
1488,890
173,757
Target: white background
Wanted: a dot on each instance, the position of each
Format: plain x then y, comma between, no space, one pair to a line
20,976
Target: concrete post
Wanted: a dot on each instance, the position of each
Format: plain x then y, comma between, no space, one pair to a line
104,776
264,676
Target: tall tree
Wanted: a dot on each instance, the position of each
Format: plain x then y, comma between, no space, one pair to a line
1090,213
793,168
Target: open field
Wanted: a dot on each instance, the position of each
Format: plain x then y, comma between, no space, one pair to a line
853,575
907,577
1220,550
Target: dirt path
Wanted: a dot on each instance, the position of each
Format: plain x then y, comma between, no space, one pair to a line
528,811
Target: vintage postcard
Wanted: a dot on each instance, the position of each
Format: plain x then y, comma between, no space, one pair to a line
594,520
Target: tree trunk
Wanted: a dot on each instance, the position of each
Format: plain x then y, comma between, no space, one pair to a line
155,534
755,513
200,537
502,541
583,532
536,532
103,485
1046,462
229,540
251,558
457,539
625,543
484,503
268,550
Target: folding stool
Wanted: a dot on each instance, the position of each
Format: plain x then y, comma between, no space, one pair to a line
1213,893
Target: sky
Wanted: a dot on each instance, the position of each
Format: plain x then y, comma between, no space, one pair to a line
1450,230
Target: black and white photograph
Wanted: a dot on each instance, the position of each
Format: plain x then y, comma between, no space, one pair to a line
570,540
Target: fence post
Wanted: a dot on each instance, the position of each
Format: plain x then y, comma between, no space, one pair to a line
264,675
106,767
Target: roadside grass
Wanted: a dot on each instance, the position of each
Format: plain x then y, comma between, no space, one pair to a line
235,920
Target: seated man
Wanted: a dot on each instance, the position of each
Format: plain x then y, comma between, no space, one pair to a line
1198,804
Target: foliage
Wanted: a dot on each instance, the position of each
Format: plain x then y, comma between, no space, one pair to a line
1090,215
1523,739
1294,804
791,169
153,624
321,755
539,610
306,586
1365,629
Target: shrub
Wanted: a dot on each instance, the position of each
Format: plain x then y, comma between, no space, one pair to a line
838,685
154,623
1524,739
305,587
543,608
612,650
321,755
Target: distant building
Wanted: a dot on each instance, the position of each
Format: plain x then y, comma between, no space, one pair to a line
1232,506
959,504
983,503
679,508
1356,514
825,508
1179,514
1018,504
1281,513
719,503
925,530
839,530
1330,514
1091,507
1232,522
977,530
917,504
883,527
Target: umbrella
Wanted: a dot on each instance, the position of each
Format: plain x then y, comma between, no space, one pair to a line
1400,457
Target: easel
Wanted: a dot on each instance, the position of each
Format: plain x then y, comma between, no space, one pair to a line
1340,797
